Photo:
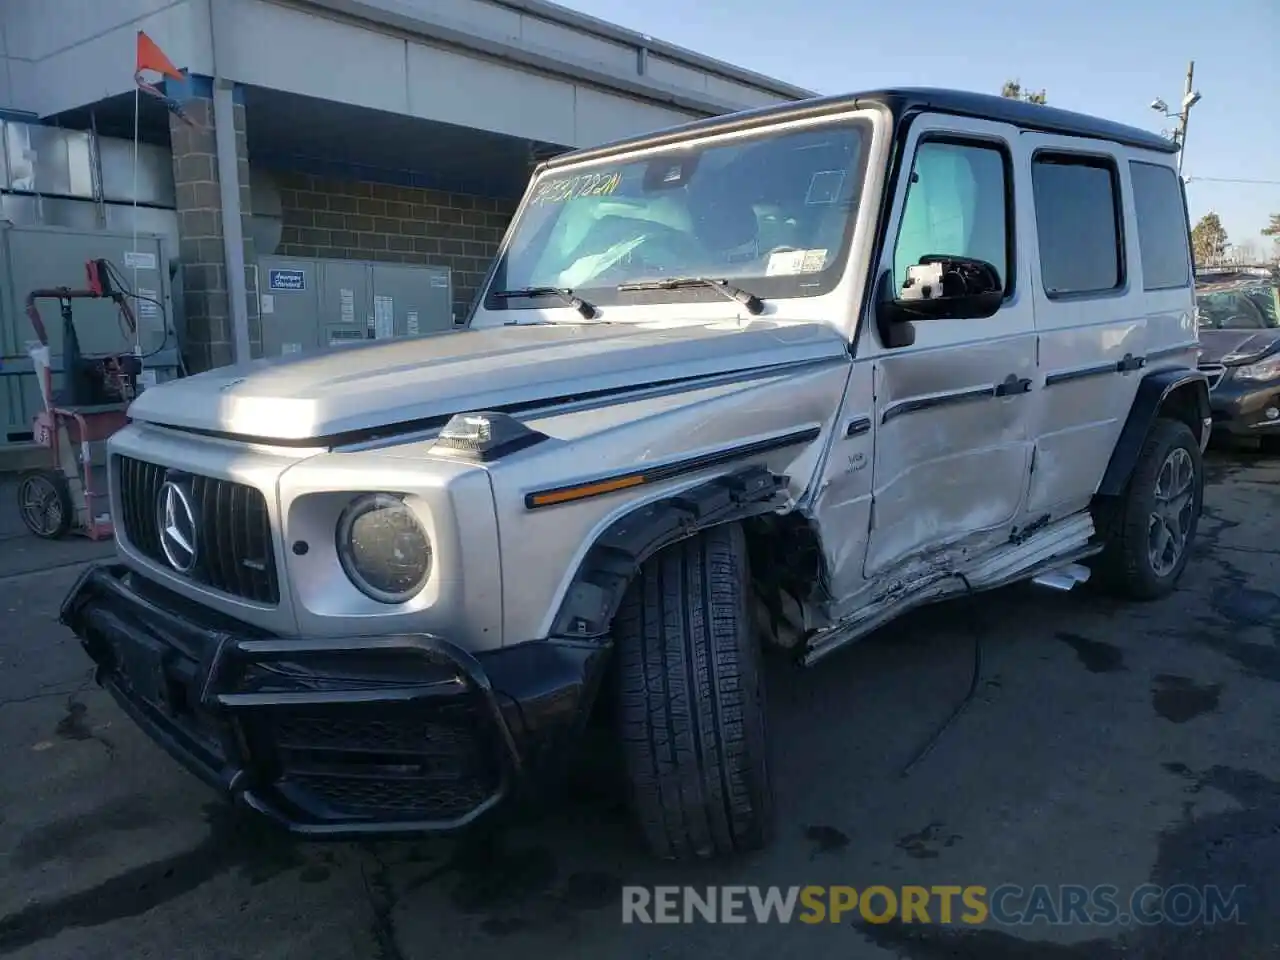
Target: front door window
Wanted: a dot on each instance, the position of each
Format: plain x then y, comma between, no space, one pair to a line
956,206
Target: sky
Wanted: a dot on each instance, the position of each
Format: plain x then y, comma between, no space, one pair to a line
1110,58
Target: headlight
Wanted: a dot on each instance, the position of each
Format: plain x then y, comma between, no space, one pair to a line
1268,369
383,549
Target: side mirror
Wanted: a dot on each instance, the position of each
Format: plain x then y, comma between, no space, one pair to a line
937,288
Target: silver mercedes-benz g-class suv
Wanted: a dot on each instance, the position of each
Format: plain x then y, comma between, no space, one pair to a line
770,378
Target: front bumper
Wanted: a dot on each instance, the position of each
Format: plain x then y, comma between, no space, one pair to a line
335,737
1240,407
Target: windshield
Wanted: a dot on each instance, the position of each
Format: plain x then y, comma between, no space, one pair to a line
1251,308
770,213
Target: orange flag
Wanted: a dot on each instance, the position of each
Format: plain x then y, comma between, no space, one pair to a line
151,57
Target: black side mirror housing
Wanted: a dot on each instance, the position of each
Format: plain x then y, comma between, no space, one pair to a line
937,288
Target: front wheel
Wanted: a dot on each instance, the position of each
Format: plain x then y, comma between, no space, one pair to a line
1153,523
691,701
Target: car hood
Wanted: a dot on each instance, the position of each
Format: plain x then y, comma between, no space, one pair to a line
347,390
1235,347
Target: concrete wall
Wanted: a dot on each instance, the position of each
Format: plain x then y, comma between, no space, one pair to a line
374,221
527,69
569,36
289,49
62,54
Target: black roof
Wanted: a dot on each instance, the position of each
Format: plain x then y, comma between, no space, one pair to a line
901,102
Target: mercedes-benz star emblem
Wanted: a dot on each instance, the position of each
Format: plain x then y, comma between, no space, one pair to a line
176,518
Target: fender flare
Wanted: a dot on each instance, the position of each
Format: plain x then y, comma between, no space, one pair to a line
596,592
1154,392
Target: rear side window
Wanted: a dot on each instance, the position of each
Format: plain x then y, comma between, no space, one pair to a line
1162,227
1078,222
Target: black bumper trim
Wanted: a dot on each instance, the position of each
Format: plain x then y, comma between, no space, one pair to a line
219,700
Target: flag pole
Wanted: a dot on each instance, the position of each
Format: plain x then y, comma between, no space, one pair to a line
150,57
137,137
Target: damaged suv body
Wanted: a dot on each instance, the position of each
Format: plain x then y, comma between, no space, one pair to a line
773,378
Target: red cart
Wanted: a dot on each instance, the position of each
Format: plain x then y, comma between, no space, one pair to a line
69,495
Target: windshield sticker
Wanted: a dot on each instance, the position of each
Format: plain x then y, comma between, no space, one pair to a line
824,187
791,262
571,188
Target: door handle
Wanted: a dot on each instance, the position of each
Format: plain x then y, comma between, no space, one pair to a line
1013,385
1130,363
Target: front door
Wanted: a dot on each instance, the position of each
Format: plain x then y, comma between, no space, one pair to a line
951,412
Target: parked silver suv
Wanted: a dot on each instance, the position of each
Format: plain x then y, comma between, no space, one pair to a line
772,378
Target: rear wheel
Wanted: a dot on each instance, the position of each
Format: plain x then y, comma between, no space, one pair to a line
691,701
44,502
1149,529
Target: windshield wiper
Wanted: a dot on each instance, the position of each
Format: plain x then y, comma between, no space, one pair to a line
564,293
753,303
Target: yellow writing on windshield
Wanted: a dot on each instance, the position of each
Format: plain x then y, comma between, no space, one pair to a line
571,188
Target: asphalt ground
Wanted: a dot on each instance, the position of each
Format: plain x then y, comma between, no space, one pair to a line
1106,745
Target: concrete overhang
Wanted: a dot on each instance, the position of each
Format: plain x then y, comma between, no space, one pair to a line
509,41
522,68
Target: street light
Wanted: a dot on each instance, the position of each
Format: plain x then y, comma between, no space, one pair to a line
1189,99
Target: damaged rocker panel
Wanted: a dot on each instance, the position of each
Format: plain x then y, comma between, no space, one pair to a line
1044,546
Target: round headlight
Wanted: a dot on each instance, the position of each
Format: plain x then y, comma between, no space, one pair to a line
383,549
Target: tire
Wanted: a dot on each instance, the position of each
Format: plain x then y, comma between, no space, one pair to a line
691,701
1132,529
44,503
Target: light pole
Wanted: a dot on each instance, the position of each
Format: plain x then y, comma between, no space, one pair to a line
1190,98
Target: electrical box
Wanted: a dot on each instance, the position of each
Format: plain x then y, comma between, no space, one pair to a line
412,300
309,304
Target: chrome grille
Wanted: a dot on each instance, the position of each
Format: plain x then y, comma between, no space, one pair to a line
1215,372
233,528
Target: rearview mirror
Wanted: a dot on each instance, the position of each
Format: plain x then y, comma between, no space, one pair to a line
938,288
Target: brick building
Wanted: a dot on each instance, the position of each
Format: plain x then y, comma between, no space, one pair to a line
363,220
335,129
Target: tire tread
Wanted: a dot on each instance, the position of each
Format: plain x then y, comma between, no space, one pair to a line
690,700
